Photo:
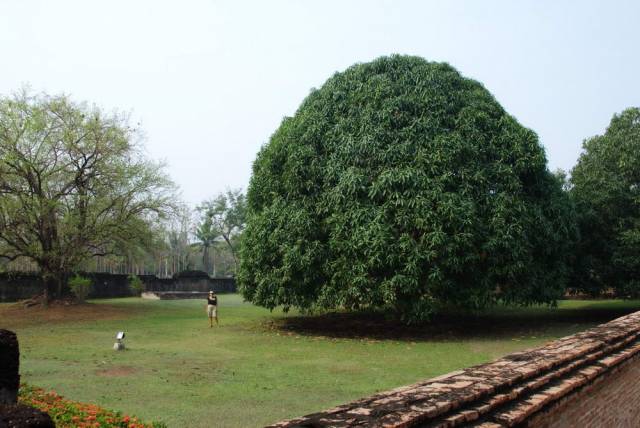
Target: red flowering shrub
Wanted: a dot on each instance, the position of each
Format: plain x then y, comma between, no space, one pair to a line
70,414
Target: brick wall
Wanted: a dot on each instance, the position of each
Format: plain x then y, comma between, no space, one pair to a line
611,401
589,379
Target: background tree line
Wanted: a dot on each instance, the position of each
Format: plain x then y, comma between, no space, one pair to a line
605,188
176,246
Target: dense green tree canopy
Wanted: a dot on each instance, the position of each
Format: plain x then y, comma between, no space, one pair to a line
401,184
606,190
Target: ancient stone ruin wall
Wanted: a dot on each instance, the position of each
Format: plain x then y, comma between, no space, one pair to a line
590,379
16,286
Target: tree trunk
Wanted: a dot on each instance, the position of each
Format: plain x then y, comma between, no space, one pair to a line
233,254
45,295
49,286
213,260
205,258
59,284
49,264
53,281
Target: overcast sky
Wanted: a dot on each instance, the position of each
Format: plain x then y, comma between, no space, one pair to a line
210,81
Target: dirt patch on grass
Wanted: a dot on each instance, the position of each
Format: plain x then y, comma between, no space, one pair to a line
15,316
117,371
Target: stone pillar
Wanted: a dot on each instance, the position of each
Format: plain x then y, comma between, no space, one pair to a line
9,367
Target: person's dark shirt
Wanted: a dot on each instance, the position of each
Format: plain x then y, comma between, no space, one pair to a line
212,300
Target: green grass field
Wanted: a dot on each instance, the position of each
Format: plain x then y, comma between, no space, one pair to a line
259,367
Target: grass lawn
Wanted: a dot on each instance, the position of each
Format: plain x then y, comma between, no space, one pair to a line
259,367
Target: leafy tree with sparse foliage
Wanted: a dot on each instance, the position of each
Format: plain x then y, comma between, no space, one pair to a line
177,239
401,184
206,234
223,216
74,184
606,191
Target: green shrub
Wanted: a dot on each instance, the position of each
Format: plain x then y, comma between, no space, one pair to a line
135,284
401,184
80,286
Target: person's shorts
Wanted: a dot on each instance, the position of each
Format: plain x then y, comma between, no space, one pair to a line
212,311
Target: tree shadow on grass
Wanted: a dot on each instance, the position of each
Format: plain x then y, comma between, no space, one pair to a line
497,323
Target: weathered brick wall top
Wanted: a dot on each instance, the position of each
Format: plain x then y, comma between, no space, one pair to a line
503,393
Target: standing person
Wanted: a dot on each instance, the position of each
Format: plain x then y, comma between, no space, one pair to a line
212,308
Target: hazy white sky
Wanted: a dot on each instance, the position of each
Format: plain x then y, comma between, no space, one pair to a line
211,80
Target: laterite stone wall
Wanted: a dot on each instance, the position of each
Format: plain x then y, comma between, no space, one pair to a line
611,401
16,286
589,379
